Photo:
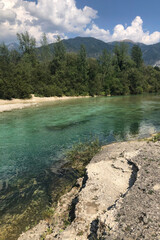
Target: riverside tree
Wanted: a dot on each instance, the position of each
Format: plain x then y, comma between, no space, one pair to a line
27,43
82,71
45,51
136,55
42,72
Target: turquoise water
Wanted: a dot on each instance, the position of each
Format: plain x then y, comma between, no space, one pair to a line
34,139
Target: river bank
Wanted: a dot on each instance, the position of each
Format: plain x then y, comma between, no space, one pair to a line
9,105
117,199
42,134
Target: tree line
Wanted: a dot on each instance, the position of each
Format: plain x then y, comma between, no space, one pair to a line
40,72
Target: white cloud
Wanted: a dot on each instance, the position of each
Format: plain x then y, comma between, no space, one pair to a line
50,16
61,17
96,32
14,18
133,32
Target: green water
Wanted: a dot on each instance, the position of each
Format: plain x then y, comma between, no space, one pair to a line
33,140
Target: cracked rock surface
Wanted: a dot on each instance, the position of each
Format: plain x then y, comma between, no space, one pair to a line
138,216
120,199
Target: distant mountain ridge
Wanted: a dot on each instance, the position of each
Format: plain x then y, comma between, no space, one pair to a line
94,48
13,46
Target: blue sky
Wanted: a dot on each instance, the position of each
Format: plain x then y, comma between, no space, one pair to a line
108,20
113,12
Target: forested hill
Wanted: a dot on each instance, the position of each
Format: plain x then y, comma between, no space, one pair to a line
48,73
94,48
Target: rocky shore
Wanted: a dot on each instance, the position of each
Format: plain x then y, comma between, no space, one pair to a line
118,199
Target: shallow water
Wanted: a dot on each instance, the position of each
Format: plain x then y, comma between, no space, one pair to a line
34,139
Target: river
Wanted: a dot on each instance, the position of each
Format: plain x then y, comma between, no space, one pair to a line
34,140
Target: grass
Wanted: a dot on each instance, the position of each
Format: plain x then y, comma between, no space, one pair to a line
153,138
83,152
48,212
156,138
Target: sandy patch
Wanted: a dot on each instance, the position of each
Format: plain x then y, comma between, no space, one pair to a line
9,105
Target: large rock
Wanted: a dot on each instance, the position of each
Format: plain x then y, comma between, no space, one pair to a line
119,198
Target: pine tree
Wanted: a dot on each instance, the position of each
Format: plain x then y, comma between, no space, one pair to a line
82,70
136,55
27,43
45,52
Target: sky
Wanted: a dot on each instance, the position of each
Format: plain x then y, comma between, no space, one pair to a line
107,20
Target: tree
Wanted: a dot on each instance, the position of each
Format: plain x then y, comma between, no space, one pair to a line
71,75
59,49
14,56
94,82
136,81
105,63
4,60
22,74
26,42
136,55
45,52
27,45
121,56
157,68
82,70
58,56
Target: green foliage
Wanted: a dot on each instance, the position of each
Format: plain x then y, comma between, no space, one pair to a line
58,63
156,137
59,49
94,48
83,152
27,44
73,74
94,83
136,55
82,70
4,61
48,213
120,56
45,51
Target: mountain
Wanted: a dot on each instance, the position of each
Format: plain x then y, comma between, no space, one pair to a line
94,48
151,53
13,46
